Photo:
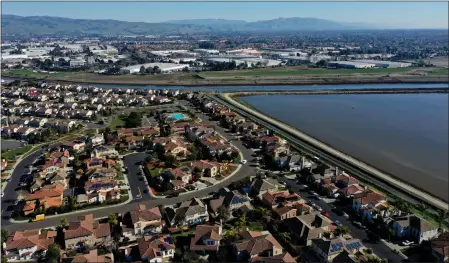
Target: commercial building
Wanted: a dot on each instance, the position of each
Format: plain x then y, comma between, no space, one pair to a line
164,67
350,64
385,64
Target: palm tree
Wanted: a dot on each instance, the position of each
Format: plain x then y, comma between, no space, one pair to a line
63,223
112,219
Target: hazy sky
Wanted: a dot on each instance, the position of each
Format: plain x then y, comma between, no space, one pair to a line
391,14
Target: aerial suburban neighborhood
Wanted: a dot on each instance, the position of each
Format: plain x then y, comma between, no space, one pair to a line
148,159
273,140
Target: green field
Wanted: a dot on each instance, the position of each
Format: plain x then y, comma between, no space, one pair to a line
115,123
11,154
30,73
289,71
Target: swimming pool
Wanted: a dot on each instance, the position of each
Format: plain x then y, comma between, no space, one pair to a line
178,116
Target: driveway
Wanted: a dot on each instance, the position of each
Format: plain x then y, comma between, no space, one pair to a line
379,249
130,161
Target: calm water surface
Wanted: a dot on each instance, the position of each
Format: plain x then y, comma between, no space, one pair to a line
282,87
403,134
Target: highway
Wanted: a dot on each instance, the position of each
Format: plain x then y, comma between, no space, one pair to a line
333,157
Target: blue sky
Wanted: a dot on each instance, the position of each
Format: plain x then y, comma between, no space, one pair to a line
390,14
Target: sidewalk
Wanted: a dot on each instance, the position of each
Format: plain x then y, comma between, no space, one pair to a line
189,192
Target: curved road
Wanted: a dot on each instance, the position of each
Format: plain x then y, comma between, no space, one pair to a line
129,161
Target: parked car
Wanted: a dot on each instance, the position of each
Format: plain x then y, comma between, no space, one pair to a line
324,213
407,243
337,223
243,161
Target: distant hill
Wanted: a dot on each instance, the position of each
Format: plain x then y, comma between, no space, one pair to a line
41,25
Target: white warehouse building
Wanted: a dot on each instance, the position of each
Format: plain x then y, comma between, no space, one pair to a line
385,64
164,67
349,64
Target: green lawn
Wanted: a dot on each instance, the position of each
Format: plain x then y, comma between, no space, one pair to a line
30,73
185,233
155,172
290,71
116,122
13,153
255,226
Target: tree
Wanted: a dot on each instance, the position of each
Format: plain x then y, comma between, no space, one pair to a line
142,70
171,161
63,223
112,219
263,212
133,120
242,223
342,230
224,213
441,217
322,63
53,252
402,205
285,236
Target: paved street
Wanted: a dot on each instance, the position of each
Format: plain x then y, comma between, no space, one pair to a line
130,160
379,249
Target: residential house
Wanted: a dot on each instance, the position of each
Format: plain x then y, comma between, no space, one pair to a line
306,227
207,238
179,150
75,145
352,190
100,190
256,244
366,202
206,168
92,256
156,248
188,213
440,247
281,258
228,199
48,196
28,245
328,249
103,151
344,180
97,140
58,177
85,232
260,186
414,228
93,163
274,199
102,173
143,221
53,165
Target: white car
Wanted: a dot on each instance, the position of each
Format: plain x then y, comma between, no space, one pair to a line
243,161
407,243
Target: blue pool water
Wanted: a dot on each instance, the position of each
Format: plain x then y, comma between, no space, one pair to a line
178,116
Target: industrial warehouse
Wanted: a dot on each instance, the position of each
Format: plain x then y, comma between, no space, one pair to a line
163,67
359,64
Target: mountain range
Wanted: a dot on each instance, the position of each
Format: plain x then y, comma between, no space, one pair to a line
43,25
